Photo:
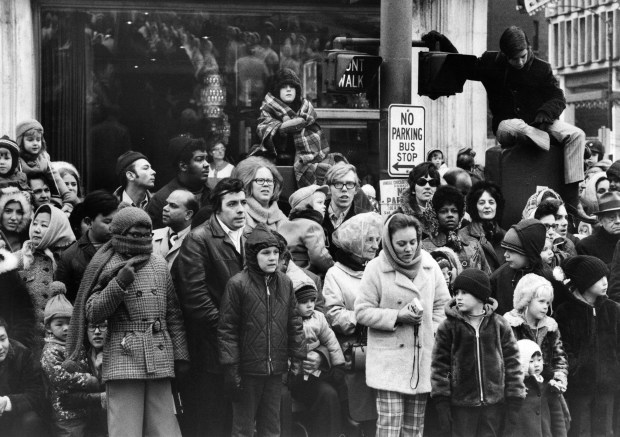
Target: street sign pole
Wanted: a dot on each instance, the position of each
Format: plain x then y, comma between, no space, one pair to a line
406,138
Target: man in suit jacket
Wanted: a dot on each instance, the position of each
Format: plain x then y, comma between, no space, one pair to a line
180,207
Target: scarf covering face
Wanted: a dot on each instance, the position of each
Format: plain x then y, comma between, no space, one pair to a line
311,146
409,270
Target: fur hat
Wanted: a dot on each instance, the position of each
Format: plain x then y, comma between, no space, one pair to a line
527,349
13,194
11,146
526,289
474,282
127,217
286,76
58,305
303,197
24,127
66,167
446,257
583,271
126,159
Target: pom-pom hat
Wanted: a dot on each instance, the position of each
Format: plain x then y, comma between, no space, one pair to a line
58,305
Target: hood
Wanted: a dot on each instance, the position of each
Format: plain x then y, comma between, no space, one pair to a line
260,238
527,348
515,318
13,194
452,311
298,277
444,254
588,197
532,234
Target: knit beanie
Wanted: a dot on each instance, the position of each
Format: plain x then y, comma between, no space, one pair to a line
584,271
24,127
474,282
301,198
127,217
58,305
305,292
526,237
526,290
527,349
11,146
126,159
614,170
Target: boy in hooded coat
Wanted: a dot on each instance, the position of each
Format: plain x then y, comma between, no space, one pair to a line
259,329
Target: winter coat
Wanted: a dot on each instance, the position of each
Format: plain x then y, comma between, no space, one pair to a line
493,252
61,382
259,328
600,244
72,264
476,369
471,255
360,204
21,380
160,244
591,337
541,414
547,336
145,333
398,358
306,242
520,93
341,288
318,333
206,261
157,201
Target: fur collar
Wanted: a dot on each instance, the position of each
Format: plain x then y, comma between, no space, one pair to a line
515,319
8,261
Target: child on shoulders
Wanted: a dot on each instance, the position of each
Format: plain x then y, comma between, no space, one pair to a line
10,176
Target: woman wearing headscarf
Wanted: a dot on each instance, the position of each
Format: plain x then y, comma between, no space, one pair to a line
263,184
401,301
145,344
416,200
15,214
357,241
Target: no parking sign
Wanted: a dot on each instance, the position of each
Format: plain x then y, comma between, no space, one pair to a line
406,138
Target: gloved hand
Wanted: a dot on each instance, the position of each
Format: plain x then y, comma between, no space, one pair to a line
513,408
436,41
444,413
126,275
293,125
181,368
542,119
232,382
92,384
80,399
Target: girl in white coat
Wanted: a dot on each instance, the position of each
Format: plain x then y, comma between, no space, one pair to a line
401,300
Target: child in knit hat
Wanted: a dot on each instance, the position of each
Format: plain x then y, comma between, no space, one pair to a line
542,414
288,122
10,176
68,420
476,376
529,320
590,326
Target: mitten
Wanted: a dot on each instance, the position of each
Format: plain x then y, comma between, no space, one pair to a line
181,368
292,125
513,407
126,275
72,401
444,413
542,118
92,384
232,382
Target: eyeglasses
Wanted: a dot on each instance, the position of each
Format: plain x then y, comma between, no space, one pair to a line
140,235
550,225
423,181
100,327
263,181
218,149
339,185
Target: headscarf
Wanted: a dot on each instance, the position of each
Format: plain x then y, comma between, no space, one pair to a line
58,234
588,198
534,200
409,270
351,235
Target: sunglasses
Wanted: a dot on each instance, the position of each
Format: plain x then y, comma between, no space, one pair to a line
423,181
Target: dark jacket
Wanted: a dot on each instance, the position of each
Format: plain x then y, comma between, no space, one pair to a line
591,336
72,264
16,308
259,327
476,370
541,414
493,251
547,336
360,204
158,201
21,380
520,93
206,261
600,244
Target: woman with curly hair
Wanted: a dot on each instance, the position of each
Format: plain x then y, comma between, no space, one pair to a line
485,205
416,201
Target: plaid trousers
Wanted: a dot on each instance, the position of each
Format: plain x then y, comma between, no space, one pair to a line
400,414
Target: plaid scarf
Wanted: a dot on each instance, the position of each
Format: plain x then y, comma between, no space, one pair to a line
311,147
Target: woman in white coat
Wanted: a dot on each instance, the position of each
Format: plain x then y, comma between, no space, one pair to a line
401,300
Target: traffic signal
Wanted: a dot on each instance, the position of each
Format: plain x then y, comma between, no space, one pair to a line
350,72
443,74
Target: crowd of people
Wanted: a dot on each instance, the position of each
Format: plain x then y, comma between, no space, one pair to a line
213,308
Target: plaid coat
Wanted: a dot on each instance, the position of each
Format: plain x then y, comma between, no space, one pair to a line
145,325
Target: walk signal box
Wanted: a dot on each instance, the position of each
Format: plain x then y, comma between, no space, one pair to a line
350,72
443,74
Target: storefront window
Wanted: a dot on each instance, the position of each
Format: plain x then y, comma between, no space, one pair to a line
115,79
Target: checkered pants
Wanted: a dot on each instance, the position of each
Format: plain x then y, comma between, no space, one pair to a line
400,414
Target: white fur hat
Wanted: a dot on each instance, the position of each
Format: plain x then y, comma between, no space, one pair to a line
526,289
527,348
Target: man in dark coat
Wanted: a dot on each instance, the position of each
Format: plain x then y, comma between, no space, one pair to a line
21,389
99,210
189,158
602,242
210,255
